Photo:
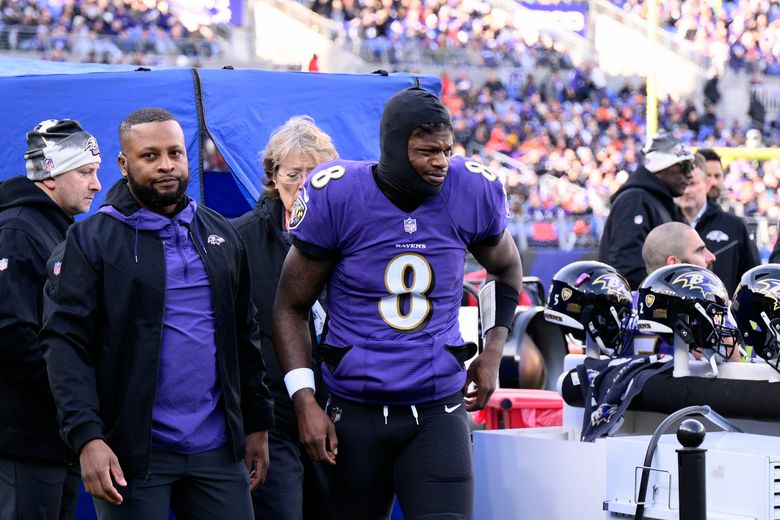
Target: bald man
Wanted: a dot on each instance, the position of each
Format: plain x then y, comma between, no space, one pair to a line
667,244
675,243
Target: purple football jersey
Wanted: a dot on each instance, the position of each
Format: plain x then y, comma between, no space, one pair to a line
395,292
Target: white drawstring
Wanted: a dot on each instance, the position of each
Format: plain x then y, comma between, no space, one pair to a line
386,413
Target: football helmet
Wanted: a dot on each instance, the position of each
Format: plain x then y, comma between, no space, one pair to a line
756,311
592,298
689,301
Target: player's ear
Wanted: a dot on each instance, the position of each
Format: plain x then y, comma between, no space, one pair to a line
671,260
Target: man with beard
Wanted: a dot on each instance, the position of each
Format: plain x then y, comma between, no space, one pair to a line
38,475
715,174
645,201
152,346
725,234
390,241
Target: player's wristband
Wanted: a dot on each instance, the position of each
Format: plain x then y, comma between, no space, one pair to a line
497,305
297,379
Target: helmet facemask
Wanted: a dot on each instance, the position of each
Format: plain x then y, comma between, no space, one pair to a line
611,330
704,327
770,328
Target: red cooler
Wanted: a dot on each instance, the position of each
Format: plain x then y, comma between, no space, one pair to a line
521,408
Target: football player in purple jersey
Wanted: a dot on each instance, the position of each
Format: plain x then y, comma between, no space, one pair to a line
389,239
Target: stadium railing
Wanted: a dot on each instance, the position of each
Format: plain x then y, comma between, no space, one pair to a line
32,39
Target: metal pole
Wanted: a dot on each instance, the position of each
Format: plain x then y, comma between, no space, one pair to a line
651,111
691,465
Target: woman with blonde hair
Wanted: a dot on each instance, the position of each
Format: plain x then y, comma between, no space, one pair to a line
295,487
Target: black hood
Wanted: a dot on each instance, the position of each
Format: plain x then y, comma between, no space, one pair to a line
643,178
21,191
395,175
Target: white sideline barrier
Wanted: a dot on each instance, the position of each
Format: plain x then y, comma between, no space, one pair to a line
538,473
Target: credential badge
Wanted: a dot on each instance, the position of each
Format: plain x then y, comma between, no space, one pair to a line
410,225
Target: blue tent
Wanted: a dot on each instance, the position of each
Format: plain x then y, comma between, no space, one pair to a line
238,109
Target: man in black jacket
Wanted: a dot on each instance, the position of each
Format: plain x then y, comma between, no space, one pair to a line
38,475
725,234
645,201
151,344
295,485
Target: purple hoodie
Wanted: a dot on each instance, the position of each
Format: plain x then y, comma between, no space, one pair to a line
187,416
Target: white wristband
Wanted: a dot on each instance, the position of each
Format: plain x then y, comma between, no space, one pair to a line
297,379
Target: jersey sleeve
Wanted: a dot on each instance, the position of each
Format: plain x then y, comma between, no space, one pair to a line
316,217
478,202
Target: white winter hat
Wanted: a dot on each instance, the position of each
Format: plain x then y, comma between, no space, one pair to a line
58,146
663,151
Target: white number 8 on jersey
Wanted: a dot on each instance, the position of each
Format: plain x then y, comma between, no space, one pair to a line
396,274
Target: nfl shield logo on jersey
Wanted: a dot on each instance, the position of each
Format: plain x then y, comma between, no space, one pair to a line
57,268
3,264
410,225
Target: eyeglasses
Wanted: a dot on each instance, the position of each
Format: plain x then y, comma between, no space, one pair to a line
686,167
291,178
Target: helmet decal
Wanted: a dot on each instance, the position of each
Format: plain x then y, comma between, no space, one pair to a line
613,284
770,287
700,281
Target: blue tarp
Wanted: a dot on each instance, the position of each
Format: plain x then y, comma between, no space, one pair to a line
240,110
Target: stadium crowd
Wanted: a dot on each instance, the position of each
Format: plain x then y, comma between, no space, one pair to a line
566,141
745,34
139,32
469,32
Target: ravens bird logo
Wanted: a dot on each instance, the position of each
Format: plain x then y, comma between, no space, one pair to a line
770,287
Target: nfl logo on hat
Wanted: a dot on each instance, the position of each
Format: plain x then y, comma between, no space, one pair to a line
410,225
47,164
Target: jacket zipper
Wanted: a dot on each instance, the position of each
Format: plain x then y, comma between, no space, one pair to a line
203,257
148,474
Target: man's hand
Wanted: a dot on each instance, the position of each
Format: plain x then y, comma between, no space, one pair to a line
98,466
483,372
256,458
317,432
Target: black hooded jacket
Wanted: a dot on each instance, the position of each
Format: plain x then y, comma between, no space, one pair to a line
641,204
727,237
266,247
31,225
103,321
